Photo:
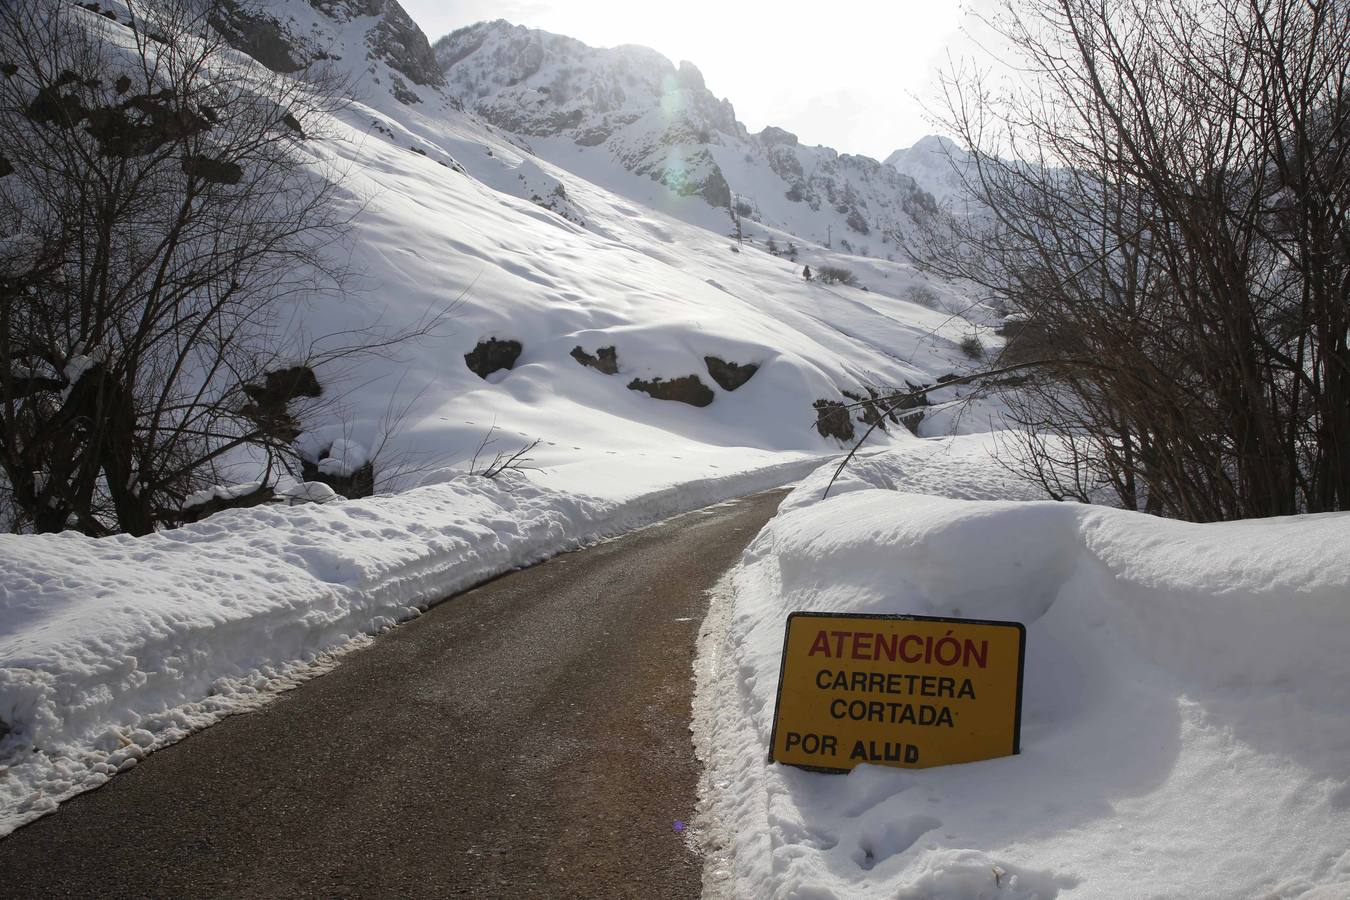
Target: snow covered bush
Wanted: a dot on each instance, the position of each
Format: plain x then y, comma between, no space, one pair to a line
836,275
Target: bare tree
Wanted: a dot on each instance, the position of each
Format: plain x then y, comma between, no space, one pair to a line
158,202
1166,184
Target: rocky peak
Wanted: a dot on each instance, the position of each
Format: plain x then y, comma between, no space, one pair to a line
285,36
935,163
655,119
543,84
394,38
690,77
932,144
772,136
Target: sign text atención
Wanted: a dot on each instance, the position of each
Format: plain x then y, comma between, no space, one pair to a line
908,691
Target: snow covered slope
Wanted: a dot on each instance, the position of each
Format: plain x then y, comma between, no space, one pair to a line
112,647
456,210
1186,728
630,107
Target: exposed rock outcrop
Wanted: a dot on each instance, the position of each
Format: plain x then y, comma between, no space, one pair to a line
360,482
729,375
269,401
215,171
606,359
833,420
870,412
911,410
686,389
391,37
491,356
260,36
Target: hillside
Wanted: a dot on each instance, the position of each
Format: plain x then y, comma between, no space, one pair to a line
629,107
538,231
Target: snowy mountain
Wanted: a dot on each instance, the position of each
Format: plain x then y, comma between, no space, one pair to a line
658,366
631,106
584,257
288,36
568,208
934,163
576,199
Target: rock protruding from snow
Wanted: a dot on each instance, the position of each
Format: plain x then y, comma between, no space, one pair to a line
686,389
606,359
492,355
270,400
285,36
833,420
729,375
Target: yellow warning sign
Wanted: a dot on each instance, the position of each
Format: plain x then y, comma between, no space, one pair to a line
909,691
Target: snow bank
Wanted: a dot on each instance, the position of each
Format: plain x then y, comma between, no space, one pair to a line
114,647
1186,728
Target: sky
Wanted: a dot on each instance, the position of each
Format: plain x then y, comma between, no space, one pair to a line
850,74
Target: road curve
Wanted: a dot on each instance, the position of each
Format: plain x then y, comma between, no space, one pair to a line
528,738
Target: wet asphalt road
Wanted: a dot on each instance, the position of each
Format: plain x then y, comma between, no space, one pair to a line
528,738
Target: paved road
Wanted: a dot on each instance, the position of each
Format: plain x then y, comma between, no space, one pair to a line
529,738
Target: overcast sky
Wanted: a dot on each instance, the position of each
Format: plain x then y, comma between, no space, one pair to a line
844,75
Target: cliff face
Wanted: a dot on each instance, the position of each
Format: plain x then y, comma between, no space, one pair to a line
288,35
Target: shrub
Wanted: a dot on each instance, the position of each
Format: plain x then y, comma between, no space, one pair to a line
971,347
922,295
837,275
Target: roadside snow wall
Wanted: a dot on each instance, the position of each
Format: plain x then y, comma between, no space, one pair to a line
1186,727
113,647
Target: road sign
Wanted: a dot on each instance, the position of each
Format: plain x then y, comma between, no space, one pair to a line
908,691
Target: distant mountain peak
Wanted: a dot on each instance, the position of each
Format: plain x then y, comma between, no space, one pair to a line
930,145
935,162
660,120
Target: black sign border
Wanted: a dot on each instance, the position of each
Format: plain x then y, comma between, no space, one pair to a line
893,617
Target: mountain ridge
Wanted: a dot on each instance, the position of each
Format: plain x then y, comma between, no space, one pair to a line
658,119
588,110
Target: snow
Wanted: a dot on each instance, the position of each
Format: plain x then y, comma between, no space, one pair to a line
110,648
343,458
628,109
115,647
664,292
309,492
1186,730
1186,727
79,365
220,492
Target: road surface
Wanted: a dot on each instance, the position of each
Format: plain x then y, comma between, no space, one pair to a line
528,738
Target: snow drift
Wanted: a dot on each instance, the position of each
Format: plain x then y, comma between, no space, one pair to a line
115,647
1186,728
